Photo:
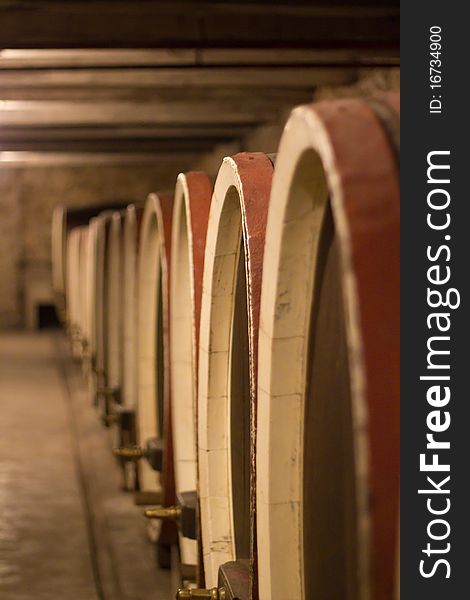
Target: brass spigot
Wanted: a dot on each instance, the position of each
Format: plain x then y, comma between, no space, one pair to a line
202,594
172,513
107,392
85,349
110,419
129,452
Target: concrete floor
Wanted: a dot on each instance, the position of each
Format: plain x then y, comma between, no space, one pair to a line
67,531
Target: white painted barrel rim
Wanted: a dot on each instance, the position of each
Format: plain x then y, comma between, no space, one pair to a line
91,287
83,283
58,252
227,222
129,283
113,295
183,354
149,278
73,275
213,417
99,297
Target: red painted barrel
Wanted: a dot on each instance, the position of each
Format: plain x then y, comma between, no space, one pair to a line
193,194
228,352
153,397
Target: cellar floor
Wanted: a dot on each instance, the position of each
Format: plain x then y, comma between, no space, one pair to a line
67,531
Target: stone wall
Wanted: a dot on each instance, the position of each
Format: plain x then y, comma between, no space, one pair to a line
28,195
10,248
27,198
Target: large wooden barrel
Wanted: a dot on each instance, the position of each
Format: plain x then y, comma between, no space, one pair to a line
154,409
74,288
126,435
228,367
190,218
113,315
64,219
328,398
99,310
127,290
90,275
131,226
83,290
58,254
71,263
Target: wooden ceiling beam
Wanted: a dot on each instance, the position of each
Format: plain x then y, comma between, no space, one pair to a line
155,133
179,160
144,24
177,58
195,77
119,146
179,112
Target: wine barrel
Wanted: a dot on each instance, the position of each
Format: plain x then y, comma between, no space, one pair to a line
90,275
154,409
228,367
125,412
113,323
193,194
73,289
58,254
328,396
99,376
131,225
64,219
83,292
